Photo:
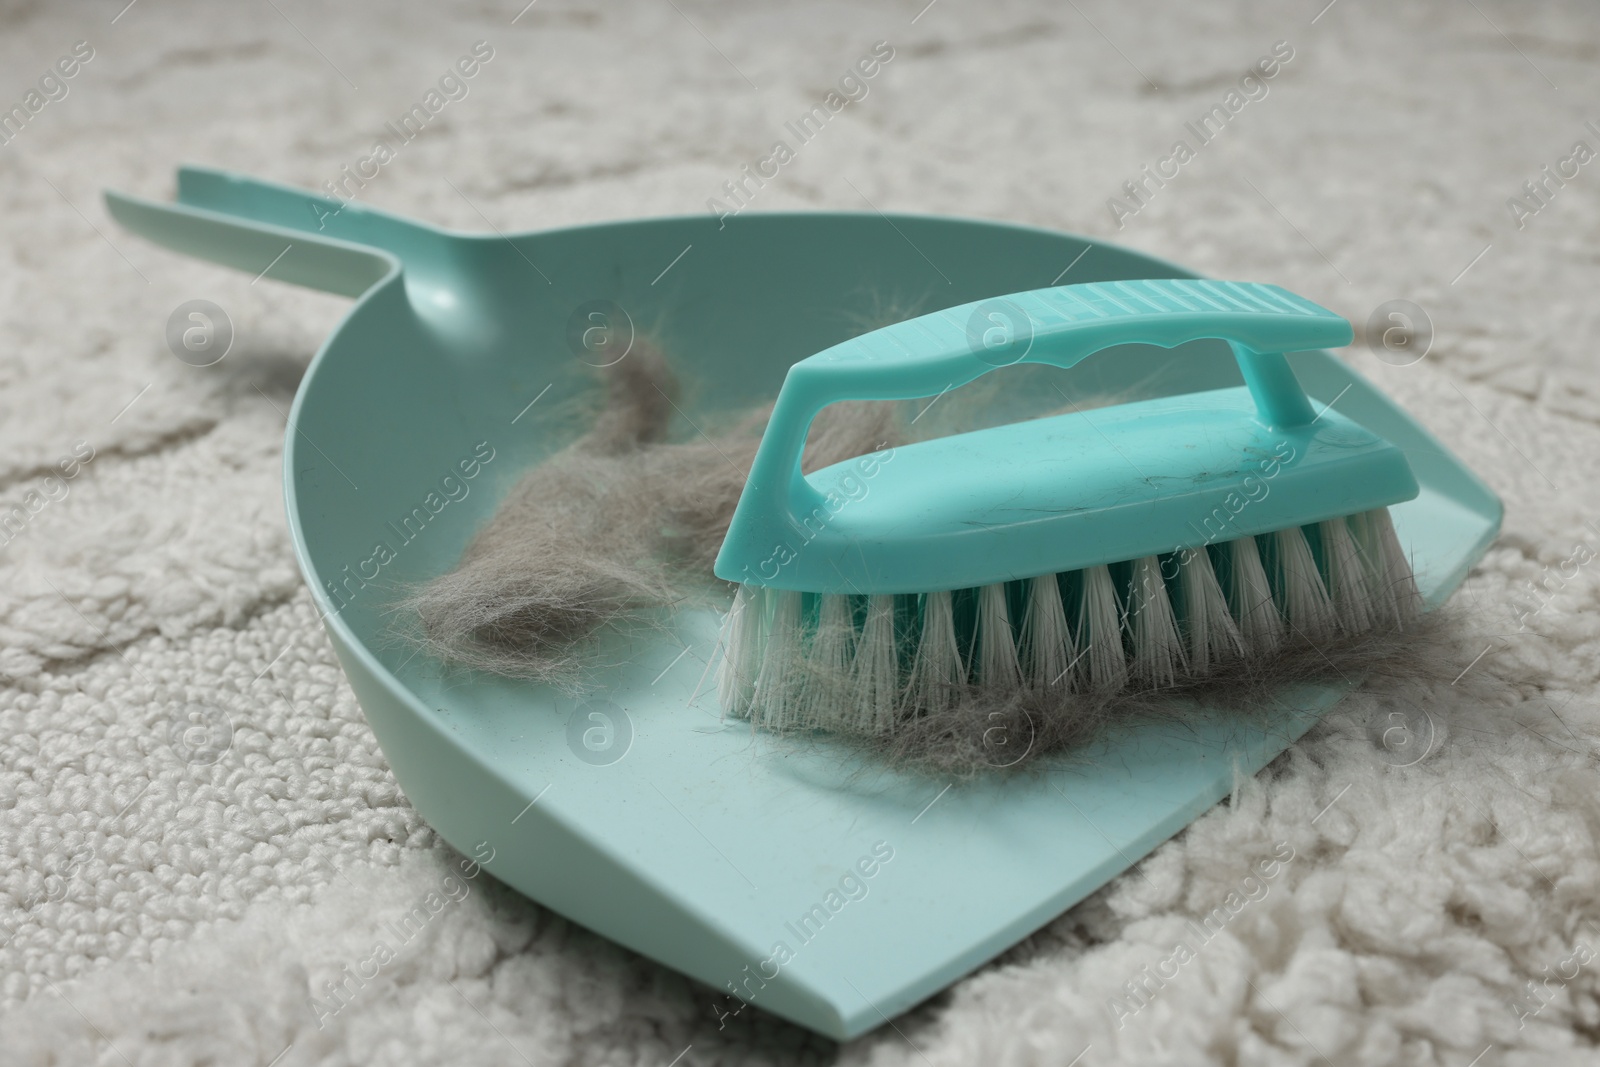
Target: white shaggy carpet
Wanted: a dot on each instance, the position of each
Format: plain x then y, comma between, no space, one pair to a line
197,831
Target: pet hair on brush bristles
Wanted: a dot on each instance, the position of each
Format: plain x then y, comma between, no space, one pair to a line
835,661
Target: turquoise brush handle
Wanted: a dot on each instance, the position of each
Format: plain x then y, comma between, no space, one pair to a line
932,354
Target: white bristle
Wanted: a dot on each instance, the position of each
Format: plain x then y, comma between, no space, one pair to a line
776,700
1250,596
743,649
1213,636
937,671
1157,655
1364,532
1395,575
787,670
1104,664
995,661
828,661
1345,576
875,677
1047,652
1297,586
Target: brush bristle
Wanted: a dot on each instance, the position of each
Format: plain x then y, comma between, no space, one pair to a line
1155,655
996,654
1212,636
1046,642
860,664
876,671
1250,597
1297,586
1099,630
937,672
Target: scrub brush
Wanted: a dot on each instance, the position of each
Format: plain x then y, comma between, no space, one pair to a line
1140,546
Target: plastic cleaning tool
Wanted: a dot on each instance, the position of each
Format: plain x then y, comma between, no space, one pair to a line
801,878
1138,544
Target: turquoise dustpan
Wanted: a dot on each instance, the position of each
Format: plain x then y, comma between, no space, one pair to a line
825,890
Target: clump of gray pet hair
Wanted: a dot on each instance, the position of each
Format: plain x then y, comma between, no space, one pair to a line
605,533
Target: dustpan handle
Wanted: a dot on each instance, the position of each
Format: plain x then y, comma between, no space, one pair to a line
264,228
283,254
932,354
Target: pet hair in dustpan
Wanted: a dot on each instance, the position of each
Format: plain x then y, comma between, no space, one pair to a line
619,524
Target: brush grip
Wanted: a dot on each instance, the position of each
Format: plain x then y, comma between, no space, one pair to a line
931,354
1060,326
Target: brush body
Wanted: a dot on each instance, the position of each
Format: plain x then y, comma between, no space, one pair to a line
1137,546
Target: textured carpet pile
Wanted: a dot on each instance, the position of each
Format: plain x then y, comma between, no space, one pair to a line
200,842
